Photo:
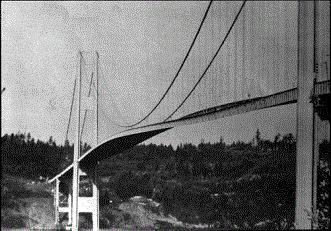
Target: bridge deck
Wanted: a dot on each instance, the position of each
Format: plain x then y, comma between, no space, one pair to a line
131,137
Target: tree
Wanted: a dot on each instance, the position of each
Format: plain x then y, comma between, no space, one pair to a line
51,142
86,147
258,137
125,185
220,145
276,141
288,143
218,169
28,137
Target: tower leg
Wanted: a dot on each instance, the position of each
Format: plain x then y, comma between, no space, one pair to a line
75,178
70,205
95,213
304,161
56,200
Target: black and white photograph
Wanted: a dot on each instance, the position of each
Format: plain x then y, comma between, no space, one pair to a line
165,115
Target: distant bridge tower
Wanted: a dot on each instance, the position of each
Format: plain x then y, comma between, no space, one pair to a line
79,204
85,204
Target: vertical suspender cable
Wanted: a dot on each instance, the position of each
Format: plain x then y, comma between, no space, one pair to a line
243,81
228,63
180,68
97,98
71,106
235,85
211,61
252,45
85,113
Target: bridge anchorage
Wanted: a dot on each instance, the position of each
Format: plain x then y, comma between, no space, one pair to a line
311,96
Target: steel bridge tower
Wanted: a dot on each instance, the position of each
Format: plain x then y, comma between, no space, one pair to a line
310,108
76,203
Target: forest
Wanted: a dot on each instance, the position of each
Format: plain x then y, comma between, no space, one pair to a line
227,186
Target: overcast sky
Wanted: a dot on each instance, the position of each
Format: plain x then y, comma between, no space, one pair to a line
136,41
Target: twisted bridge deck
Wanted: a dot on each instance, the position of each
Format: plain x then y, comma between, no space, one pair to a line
131,137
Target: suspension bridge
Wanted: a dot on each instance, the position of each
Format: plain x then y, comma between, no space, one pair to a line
244,56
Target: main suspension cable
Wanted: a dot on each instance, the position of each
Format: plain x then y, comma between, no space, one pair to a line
180,68
211,61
